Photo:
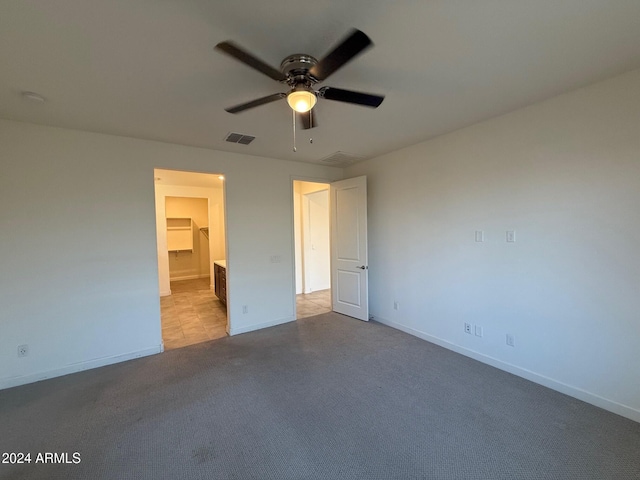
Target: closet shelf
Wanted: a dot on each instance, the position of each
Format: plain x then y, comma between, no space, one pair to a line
179,234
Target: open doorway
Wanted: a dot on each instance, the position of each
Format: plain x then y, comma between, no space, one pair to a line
312,248
191,250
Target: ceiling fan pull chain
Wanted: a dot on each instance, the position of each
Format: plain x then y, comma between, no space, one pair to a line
294,130
311,123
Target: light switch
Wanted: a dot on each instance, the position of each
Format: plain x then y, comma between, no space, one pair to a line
511,236
479,236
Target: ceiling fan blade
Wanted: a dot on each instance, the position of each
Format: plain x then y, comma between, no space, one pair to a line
256,103
349,96
351,46
236,52
308,119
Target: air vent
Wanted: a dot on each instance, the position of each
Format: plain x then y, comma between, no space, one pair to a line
240,138
341,159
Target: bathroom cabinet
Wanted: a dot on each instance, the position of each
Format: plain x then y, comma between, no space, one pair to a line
220,280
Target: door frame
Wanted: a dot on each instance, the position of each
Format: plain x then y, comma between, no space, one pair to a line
161,228
295,178
307,245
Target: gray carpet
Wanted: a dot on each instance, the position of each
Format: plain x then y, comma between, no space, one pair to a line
326,397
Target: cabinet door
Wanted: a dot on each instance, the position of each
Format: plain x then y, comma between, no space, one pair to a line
216,279
223,285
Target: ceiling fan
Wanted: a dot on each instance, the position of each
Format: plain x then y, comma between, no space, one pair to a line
301,72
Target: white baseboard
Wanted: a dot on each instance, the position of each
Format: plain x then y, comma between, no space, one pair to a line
165,293
258,326
77,367
580,394
188,277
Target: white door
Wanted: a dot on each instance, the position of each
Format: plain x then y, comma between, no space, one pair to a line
349,264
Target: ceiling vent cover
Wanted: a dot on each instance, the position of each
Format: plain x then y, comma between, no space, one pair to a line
240,138
341,159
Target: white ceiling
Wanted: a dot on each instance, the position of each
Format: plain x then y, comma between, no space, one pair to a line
147,68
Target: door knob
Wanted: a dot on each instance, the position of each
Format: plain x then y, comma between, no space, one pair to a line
362,267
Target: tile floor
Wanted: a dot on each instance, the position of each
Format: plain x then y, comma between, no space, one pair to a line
193,314
309,304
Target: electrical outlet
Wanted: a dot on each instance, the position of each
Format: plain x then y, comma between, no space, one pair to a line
245,309
478,329
479,236
511,341
511,236
467,328
23,350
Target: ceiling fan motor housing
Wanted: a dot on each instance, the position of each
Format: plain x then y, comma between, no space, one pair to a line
296,68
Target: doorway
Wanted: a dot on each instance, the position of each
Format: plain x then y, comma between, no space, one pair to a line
312,248
348,263
191,239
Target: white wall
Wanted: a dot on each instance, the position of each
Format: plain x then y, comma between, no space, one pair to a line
565,175
79,280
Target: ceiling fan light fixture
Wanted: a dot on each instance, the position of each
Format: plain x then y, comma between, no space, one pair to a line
301,99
